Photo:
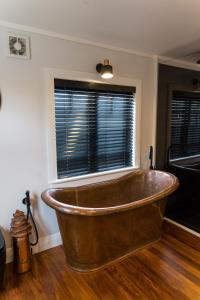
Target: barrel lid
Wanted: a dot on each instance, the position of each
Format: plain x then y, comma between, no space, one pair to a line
2,242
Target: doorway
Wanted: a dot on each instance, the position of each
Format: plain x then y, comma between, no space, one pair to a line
178,142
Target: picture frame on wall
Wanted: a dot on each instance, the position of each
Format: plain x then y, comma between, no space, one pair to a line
18,46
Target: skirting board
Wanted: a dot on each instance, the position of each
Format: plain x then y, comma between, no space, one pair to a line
182,233
44,243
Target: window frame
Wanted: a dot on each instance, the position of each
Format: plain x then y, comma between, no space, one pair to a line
50,75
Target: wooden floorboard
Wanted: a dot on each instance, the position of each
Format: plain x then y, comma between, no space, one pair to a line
168,269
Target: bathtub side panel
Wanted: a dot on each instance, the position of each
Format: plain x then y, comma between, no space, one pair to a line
91,242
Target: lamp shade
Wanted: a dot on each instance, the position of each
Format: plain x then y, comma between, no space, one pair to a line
105,69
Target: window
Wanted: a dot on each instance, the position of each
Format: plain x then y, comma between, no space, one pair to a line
185,125
95,127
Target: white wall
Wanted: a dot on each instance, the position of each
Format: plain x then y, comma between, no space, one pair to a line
23,156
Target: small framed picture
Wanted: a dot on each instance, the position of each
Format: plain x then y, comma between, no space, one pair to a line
18,46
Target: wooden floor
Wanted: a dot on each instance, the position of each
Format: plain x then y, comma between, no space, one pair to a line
169,269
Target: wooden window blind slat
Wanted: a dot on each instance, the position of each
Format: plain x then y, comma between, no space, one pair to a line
95,127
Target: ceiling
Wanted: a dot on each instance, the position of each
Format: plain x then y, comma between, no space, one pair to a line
162,27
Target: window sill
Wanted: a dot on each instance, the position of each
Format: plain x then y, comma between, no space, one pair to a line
90,178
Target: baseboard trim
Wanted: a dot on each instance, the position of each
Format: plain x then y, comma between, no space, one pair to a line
182,233
44,243
182,227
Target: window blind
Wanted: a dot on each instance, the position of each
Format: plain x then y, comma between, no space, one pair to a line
95,127
185,125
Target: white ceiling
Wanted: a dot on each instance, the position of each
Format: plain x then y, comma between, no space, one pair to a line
163,27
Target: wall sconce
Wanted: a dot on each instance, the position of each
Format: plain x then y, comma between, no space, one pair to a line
105,69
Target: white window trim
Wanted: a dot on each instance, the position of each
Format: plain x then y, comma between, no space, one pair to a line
50,75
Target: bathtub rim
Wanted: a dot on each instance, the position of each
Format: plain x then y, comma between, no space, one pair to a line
89,211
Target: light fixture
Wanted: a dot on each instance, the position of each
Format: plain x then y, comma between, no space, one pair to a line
105,69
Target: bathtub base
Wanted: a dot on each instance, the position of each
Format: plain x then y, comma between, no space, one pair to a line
93,242
112,262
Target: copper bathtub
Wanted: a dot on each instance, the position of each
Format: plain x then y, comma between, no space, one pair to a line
103,222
